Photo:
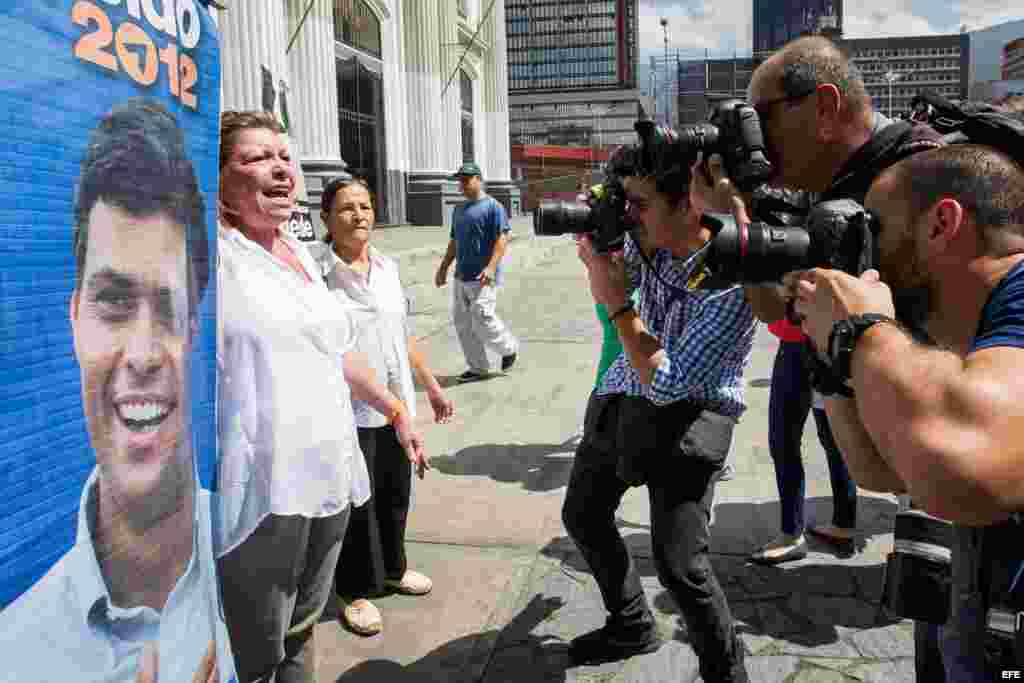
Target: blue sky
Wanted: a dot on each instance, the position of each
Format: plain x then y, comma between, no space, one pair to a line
721,26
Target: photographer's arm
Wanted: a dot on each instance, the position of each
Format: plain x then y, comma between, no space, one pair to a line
867,467
644,351
952,429
766,301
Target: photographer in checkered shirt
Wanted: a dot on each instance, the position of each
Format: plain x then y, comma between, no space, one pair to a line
662,417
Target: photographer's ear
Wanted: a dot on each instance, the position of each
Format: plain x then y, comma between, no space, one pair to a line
945,224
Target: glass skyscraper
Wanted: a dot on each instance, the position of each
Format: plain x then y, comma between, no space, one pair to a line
776,22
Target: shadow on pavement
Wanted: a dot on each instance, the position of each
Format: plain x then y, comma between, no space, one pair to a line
495,655
801,602
538,467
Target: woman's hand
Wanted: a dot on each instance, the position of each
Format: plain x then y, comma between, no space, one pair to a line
442,405
411,441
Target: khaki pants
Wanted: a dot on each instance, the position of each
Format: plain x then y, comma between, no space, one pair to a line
478,326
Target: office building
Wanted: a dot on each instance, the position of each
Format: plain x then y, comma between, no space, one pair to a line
572,71
1013,60
895,70
702,82
776,22
397,91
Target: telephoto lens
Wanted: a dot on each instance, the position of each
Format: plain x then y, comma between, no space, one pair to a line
561,218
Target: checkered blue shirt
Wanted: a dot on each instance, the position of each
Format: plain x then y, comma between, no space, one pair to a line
707,336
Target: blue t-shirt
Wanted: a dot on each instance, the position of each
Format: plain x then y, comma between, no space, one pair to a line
963,638
1002,319
476,227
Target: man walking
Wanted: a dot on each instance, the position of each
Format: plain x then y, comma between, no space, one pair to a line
478,241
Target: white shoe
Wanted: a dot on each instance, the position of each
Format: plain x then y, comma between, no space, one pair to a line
411,583
363,617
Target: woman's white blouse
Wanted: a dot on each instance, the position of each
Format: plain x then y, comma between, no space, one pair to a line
288,443
379,306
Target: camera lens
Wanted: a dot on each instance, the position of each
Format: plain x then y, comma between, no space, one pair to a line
560,218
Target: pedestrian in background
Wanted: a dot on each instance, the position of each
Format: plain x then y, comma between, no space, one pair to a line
367,282
789,402
479,237
290,466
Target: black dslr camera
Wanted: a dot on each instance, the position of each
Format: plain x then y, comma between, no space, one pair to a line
839,234
604,217
733,131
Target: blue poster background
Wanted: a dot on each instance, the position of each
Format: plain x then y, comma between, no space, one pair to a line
50,102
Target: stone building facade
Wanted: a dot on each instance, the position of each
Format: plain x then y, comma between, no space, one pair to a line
399,92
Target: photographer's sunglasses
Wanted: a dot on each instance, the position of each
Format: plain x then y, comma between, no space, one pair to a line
763,108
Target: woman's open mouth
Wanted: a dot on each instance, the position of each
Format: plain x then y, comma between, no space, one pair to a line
143,416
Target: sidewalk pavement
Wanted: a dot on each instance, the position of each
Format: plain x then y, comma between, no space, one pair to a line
510,588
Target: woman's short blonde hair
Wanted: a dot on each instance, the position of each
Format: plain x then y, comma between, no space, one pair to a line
234,122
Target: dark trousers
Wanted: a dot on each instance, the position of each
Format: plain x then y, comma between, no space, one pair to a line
789,402
374,548
680,487
274,588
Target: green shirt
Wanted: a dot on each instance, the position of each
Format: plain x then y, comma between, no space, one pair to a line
611,345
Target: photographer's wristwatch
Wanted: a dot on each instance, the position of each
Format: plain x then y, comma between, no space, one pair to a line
844,337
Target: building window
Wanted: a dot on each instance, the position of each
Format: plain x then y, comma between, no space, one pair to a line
357,26
466,92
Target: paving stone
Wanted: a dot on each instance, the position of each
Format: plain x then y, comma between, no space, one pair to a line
886,642
809,672
895,671
823,641
770,669
824,610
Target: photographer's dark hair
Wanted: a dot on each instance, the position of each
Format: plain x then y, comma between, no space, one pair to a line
674,182
986,182
814,60
136,161
335,186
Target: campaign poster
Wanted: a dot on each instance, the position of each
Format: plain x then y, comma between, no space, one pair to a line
109,158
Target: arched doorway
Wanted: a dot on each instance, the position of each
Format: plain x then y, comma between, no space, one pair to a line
359,58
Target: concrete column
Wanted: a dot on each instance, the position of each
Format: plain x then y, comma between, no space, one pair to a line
431,195
396,109
495,79
450,143
423,67
313,97
314,94
253,38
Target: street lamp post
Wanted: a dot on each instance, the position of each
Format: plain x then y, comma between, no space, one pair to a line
891,76
668,102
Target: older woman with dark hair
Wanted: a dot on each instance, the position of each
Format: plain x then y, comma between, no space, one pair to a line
367,283
290,467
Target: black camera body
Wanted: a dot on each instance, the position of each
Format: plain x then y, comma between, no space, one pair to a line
604,217
839,234
733,131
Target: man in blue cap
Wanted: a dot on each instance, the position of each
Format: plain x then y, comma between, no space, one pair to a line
479,237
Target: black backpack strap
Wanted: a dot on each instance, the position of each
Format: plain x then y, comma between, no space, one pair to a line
891,144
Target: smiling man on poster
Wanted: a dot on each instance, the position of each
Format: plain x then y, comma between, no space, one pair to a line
135,598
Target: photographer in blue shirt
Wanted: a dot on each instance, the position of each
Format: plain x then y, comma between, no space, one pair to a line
943,423
663,417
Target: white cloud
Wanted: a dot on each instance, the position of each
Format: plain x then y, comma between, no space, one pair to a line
978,14
719,26
722,26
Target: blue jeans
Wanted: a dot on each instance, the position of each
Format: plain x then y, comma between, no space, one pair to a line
789,403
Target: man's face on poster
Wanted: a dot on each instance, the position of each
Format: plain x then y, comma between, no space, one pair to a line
131,327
